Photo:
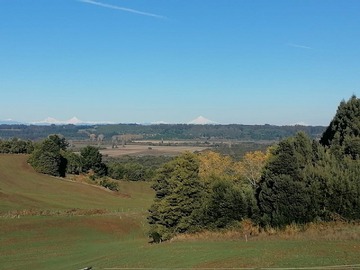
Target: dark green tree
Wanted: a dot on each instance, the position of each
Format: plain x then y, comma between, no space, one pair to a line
116,171
339,168
284,160
224,204
284,193
92,160
352,147
335,187
59,140
178,193
342,135
16,146
74,162
284,201
47,158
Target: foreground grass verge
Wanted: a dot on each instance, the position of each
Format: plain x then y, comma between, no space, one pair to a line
119,241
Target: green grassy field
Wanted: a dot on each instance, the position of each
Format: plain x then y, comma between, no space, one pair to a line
49,223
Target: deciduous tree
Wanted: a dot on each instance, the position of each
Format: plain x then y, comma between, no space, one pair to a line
215,165
251,166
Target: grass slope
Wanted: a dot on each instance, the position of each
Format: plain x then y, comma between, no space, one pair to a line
117,239
22,188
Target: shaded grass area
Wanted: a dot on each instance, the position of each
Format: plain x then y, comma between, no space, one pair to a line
116,237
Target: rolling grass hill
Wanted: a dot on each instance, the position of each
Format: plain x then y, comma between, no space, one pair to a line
22,188
50,223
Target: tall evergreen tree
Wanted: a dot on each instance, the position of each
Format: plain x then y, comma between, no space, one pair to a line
178,193
283,194
343,133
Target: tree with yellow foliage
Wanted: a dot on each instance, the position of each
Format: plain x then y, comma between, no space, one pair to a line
251,166
214,165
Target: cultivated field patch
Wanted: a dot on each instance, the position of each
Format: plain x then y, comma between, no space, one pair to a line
145,150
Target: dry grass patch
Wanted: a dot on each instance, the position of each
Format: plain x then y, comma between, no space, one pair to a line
247,231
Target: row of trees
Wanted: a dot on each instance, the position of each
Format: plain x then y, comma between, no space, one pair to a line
16,146
142,168
299,180
52,157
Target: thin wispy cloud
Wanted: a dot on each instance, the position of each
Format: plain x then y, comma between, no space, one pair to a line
138,12
299,46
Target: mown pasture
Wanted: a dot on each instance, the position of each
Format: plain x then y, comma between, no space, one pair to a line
51,223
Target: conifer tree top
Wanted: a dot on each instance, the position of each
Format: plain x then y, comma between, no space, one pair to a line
345,124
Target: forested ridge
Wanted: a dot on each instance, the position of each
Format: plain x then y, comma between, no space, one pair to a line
159,132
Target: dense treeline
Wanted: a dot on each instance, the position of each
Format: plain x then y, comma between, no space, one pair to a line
191,132
305,180
184,131
16,146
129,168
39,132
301,180
52,157
166,132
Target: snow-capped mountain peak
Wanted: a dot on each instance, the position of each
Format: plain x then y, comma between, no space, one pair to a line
50,120
201,121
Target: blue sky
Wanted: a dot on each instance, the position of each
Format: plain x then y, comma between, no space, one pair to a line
232,61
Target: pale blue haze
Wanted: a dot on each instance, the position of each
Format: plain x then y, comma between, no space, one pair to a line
232,61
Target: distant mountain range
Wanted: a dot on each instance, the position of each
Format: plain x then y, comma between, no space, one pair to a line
201,120
53,121
10,122
76,121
72,121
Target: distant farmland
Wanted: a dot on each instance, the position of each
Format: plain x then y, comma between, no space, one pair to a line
146,150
